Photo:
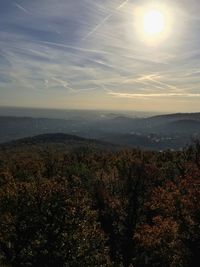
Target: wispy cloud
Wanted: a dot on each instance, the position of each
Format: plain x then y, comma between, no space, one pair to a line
97,27
81,49
64,50
22,8
157,95
104,20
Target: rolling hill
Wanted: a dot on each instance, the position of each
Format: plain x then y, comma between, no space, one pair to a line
172,131
57,141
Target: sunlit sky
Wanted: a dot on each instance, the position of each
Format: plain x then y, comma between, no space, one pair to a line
97,54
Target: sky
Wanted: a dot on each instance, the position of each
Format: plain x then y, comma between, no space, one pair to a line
91,54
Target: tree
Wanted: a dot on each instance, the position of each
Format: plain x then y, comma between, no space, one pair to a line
48,223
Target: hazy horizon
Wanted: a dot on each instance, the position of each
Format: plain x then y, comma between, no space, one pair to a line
68,113
100,55
161,112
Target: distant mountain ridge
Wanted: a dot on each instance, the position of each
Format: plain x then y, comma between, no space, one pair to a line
156,132
179,116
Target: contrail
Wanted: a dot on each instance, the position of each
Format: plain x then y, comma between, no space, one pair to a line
74,47
132,95
104,20
122,4
152,78
65,84
22,8
97,27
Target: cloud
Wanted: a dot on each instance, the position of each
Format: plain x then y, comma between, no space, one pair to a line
83,46
22,8
156,95
105,20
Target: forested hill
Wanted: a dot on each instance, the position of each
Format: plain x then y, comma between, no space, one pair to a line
94,207
57,142
179,116
173,131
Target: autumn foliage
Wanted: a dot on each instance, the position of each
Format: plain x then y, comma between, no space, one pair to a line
92,208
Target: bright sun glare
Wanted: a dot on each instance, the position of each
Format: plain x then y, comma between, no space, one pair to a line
153,22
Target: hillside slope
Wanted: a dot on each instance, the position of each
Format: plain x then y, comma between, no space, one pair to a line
57,141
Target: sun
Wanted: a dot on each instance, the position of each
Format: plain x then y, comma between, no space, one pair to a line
154,22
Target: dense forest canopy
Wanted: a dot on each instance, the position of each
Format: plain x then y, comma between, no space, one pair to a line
90,207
